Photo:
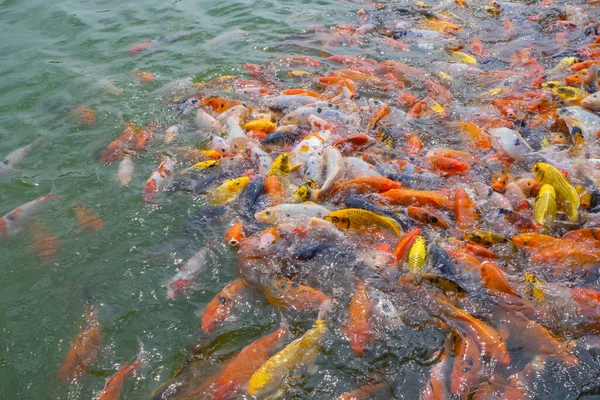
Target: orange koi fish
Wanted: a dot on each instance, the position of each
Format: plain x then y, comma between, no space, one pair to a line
467,368
248,361
493,278
114,384
83,115
118,147
84,349
44,243
404,244
220,104
359,328
466,215
285,294
235,234
381,112
367,184
409,197
426,216
364,392
446,166
219,308
86,218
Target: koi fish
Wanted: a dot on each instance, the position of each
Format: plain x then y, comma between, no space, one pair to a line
567,197
15,158
409,197
358,219
544,209
44,243
359,328
186,275
285,294
115,383
125,172
228,190
417,255
86,218
302,352
15,220
219,308
240,371
291,212
84,349
235,235
158,180
466,215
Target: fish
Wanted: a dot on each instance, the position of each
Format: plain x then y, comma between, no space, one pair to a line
219,308
281,166
184,279
240,371
84,348
426,216
359,330
206,122
220,104
544,209
301,352
486,238
358,219
14,221
286,294
567,197
509,142
202,165
466,215
235,234
16,157
125,172
417,255
86,218
119,147
114,384
228,191
44,243
158,180
404,196
291,212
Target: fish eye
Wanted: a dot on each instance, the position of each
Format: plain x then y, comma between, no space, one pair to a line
335,219
268,212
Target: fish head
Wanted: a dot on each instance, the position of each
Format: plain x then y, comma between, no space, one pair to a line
302,193
267,216
592,102
340,222
539,170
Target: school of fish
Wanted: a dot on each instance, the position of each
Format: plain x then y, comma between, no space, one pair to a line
449,189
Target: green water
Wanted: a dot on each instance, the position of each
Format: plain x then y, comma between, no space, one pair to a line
54,56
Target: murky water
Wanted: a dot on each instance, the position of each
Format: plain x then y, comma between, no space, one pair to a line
60,54
57,55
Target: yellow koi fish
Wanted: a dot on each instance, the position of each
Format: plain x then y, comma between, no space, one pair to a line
544,209
228,190
301,352
356,219
566,195
417,255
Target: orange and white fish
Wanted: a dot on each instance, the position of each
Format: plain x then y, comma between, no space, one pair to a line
184,278
158,179
14,221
